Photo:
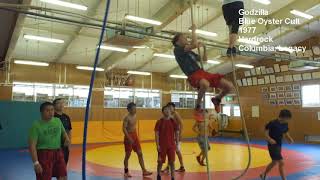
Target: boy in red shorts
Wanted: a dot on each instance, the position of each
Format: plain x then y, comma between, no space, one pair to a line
167,137
131,140
197,77
45,145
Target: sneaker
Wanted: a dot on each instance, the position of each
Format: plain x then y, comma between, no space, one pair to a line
127,175
181,169
235,52
229,51
198,159
146,173
216,103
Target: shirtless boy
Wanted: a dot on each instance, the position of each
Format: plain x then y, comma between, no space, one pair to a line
131,140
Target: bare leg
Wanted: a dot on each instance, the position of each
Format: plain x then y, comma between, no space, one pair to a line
269,167
141,161
203,156
126,159
171,164
226,87
204,85
178,152
281,170
232,39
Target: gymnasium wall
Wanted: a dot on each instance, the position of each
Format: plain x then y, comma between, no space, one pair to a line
105,124
305,120
16,120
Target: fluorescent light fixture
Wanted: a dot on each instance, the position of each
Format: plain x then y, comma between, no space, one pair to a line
89,68
206,33
139,73
66,4
140,47
45,39
178,76
33,63
143,20
265,2
301,14
112,48
213,62
248,41
164,55
245,66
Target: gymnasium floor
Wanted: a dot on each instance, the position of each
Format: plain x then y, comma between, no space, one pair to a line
228,157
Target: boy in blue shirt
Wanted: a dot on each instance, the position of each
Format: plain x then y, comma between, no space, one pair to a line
274,132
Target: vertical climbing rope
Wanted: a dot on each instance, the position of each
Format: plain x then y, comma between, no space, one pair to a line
84,144
243,121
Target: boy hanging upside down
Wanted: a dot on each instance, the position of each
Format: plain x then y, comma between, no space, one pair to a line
197,77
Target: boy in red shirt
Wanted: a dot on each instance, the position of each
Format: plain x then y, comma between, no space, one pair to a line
167,137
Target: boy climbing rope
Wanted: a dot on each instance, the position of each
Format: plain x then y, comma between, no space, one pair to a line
197,77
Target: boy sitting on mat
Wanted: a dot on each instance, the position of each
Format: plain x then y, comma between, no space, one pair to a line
274,132
197,77
131,140
202,129
167,137
45,145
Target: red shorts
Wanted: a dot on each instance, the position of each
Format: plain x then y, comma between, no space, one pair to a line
170,152
214,79
135,146
52,163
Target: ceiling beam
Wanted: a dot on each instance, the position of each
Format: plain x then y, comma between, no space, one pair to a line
91,13
168,13
16,32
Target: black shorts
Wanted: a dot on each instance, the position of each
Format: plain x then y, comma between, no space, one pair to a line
232,16
275,152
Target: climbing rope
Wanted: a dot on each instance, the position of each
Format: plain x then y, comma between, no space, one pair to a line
84,143
243,122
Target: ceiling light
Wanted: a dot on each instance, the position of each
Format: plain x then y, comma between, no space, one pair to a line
144,20
45,39
140,47
139,73
245,66
248,41
301,14
89,68
33,63
206,33
112,48
178,76
164,55
66,4
265,2
213,62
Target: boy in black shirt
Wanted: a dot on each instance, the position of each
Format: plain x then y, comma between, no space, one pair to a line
198,77
65,119
274,132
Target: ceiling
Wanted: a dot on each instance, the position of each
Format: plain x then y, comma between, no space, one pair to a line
81,41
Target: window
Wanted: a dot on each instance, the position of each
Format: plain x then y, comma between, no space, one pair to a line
23,92
117,97
226,109
188,99
120,97
231,110
311,96
76,96
236,111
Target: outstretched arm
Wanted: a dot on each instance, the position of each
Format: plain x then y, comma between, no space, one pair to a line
194,40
